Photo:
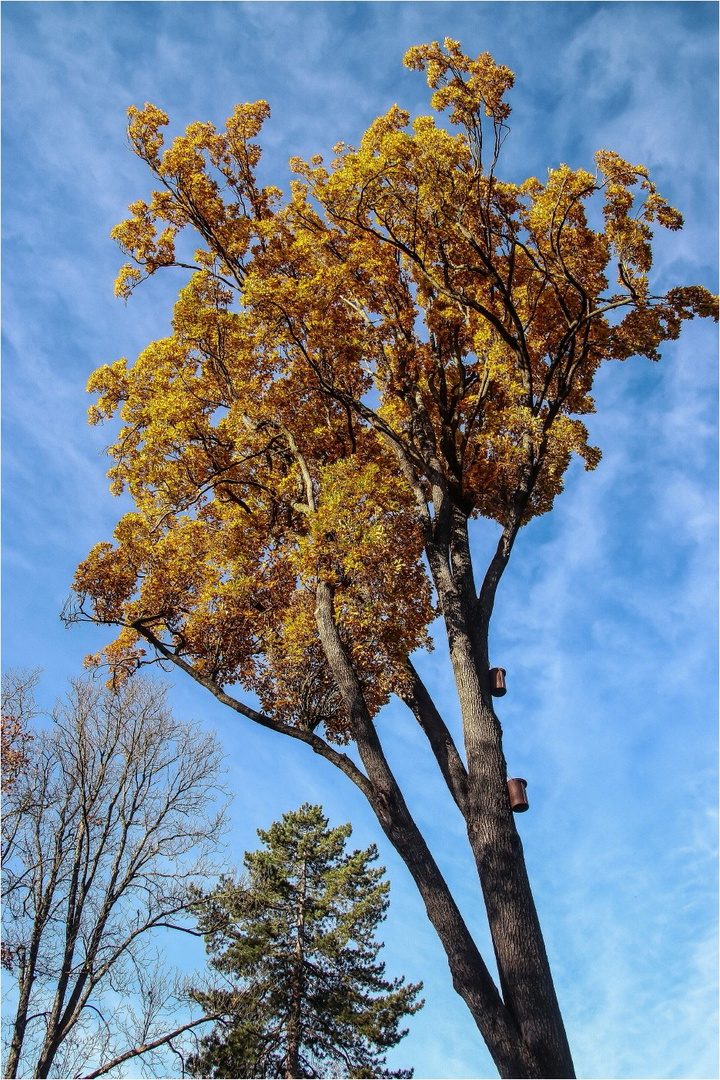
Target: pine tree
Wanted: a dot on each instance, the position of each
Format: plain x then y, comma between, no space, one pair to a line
294,938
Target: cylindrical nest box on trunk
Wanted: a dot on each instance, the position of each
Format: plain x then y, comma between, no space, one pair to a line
497,681
518,794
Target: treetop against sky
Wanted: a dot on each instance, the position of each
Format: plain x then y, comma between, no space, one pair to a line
604,623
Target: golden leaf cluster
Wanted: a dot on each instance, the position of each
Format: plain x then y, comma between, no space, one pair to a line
404,328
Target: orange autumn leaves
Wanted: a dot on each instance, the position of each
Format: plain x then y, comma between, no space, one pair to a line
404,329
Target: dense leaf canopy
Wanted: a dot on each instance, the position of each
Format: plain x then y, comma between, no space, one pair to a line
405,333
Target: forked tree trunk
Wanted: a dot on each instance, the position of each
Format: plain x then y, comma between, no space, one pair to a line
526,982
523,1029
522,1025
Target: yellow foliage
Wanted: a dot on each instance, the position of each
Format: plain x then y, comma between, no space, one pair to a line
405,332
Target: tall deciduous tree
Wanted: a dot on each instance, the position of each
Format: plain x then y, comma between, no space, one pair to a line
110,820
405,344
296,941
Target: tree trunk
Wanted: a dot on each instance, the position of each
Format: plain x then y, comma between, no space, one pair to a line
470,977
526,981
512,1031
292,1062
50,1048
20,1025
28,972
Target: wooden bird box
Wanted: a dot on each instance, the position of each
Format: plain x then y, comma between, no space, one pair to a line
518,794
497,681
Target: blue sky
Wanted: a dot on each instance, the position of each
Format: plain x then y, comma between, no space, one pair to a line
606,621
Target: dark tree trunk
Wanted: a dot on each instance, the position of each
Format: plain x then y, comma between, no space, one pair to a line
526,981
19,1028
523,1029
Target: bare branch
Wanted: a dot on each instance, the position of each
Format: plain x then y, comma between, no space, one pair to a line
138,1051
107,830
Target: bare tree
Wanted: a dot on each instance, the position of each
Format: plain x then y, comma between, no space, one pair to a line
114,814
